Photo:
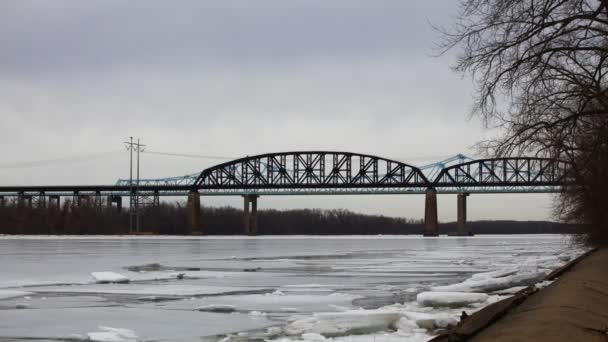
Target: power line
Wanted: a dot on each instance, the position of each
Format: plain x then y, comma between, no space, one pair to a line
55,161
187,155
200,156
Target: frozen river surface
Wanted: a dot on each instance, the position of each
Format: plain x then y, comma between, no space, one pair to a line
355,288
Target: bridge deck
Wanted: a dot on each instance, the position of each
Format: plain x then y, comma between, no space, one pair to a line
166,190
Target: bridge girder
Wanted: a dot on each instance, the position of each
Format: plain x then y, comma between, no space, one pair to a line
310,170
334,173
504,173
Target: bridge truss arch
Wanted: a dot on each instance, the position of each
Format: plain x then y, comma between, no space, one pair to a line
515,174
307,171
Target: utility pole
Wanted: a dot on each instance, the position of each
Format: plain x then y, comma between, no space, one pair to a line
133,192
140,148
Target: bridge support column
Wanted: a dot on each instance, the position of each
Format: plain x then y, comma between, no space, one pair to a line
42,200
28,199
111,199
462,215
156,199
2,202
97,201
118,201
55,201
20,200
194,211
431,223
250,218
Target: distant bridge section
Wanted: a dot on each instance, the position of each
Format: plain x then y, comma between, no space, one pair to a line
325,173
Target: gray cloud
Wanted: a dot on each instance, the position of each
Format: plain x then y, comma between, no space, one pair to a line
65,36
232,78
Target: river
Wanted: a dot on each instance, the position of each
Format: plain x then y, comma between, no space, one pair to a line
293,288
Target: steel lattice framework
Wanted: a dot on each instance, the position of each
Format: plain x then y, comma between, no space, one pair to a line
505,173
335,173
310,170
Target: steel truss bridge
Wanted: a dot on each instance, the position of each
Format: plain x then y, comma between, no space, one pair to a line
332,173
329,173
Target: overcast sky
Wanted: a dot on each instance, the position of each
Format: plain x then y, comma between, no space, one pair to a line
234,78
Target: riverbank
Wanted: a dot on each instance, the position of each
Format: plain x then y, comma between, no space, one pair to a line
572,308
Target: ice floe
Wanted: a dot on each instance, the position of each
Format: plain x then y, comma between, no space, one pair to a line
109,334
451,299
221,308
6,294
493,284
343,323
427,321
109,277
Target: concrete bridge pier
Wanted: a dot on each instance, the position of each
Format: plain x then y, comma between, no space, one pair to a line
156,199
42,200
98,201
76,199
55,201
27,199
194,212
2,202
110,200
431,223
250,217
462,215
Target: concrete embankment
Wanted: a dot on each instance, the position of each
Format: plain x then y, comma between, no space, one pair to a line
573,308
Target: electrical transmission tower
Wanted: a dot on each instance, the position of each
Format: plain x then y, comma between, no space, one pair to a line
134,189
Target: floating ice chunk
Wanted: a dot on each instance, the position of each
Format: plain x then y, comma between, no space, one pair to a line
155,298
109,334
6,294
109,277
343,323
179,275
511,290
493,284
495,274
313,337
543,284
426,321
451,299
222,308
273,331
405,324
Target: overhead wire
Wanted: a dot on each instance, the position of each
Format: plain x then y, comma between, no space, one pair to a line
188,155
57,161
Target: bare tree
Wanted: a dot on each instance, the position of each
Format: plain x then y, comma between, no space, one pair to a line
540,67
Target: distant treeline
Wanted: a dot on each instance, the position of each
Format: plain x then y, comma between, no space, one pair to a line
174,219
